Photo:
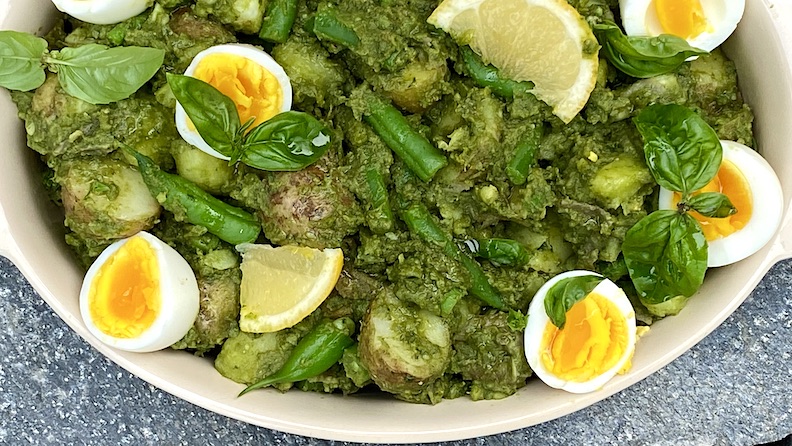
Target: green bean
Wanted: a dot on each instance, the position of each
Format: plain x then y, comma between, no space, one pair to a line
481,287
326,26
189,202
450,300
380,216
414,149
316,352
488,76
501,251
278,20
117,34
524,157
420,222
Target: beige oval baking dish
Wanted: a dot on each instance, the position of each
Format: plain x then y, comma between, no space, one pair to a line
31,235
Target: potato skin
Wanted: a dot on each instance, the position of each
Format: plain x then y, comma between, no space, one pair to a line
105,198
404,348
209,173
218,313
315,77
61,127
242,15
311,207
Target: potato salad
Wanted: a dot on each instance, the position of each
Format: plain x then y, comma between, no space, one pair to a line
380,196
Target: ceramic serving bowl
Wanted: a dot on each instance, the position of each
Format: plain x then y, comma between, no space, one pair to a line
31,235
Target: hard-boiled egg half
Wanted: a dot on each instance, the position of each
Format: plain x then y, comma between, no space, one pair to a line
754,189
256,83
102,12
139,295
596,342
705,24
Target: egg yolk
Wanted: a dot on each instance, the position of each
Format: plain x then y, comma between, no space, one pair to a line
592,341
255,91
731,182
682,18
124,298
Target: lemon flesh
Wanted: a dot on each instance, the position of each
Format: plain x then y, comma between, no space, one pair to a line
546,42
281,286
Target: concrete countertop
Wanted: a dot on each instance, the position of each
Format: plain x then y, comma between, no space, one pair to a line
733,388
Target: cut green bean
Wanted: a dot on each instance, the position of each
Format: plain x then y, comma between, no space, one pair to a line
278,20
420,223
189,202
316,352
450,300
481,287
488,76
414,149
380,216
524,156
327,26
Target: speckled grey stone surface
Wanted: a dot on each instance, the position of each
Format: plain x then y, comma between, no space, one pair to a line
733,388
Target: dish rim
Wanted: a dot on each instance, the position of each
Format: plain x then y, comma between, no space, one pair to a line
779,248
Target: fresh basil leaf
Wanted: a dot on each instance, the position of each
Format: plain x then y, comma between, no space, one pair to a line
502,251
682,151
643,57
666,256
712,204
101,75
289,141
566,293
20,60
213,114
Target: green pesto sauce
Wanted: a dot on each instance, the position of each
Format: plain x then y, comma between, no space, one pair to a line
586,185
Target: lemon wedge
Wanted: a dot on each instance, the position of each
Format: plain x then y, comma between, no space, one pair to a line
546,42
281,286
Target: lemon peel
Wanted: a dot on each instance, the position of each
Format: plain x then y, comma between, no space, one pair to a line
282,285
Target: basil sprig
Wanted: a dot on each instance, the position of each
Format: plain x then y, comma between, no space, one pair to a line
94,73
289,141
213,114
565,293
682,151
666,251
643,57
666,256
101,75
711,204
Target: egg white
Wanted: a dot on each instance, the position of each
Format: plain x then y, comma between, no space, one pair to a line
639,18
538,320
768,203
250,52
179,295
102,12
